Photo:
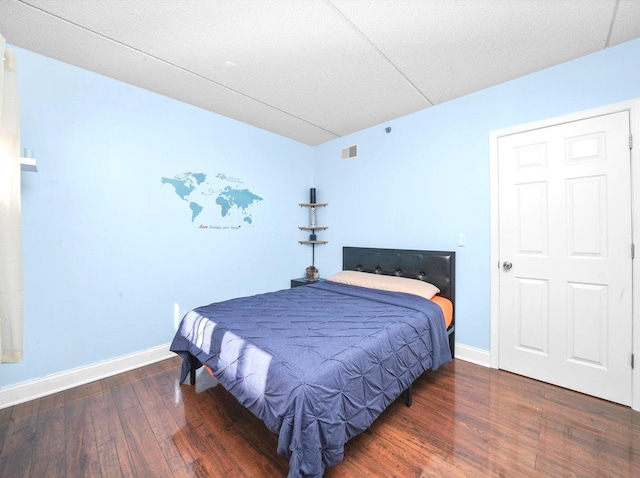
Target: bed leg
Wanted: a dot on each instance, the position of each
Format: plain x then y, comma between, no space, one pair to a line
452,341
192,372
407,397
452,345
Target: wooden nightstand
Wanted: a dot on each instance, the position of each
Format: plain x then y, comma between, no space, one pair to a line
303,281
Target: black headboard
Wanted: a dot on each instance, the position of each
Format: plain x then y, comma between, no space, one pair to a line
436,267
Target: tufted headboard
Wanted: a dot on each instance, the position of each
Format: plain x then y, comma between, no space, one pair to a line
437,267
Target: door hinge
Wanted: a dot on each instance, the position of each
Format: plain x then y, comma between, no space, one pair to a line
630,141
633,251
632,360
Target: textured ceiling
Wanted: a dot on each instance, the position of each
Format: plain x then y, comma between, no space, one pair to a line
314,70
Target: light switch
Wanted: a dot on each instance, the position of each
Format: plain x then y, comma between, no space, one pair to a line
462,240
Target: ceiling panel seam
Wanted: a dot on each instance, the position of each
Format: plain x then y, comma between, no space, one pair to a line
612,23
173,65
366,38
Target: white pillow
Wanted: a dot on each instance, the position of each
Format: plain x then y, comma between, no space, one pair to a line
390,283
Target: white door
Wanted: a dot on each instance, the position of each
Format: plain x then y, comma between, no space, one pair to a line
565,255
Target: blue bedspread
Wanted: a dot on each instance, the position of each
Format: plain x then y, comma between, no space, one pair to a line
317,363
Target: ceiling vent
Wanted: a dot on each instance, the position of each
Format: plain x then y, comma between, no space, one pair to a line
349,152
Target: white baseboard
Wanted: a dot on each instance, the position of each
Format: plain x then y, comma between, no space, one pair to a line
23,392
473,355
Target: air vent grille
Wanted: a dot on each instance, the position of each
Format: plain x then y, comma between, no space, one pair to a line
349,152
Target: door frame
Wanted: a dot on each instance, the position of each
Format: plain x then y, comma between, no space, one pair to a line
633,107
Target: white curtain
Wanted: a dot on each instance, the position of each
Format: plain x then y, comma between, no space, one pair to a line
11,285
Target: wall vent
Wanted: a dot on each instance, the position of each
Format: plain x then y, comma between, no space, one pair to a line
349,152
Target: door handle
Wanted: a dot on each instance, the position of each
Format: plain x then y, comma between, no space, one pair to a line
506,265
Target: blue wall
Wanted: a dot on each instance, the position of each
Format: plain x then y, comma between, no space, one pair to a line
427,181
108,249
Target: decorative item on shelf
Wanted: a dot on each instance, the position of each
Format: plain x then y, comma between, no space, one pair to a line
312,273
312,210
312,216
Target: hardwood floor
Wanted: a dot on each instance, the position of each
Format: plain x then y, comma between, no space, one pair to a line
466,421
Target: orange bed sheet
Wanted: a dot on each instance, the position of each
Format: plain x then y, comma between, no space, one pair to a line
447,308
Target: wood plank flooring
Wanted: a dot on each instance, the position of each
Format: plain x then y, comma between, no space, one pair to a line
466,421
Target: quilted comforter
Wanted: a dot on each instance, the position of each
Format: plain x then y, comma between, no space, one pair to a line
318,364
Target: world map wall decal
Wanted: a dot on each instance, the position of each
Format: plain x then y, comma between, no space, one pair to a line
221,202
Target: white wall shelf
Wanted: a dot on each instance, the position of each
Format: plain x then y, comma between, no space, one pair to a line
28,164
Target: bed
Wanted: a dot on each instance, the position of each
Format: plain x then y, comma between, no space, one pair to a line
319,363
